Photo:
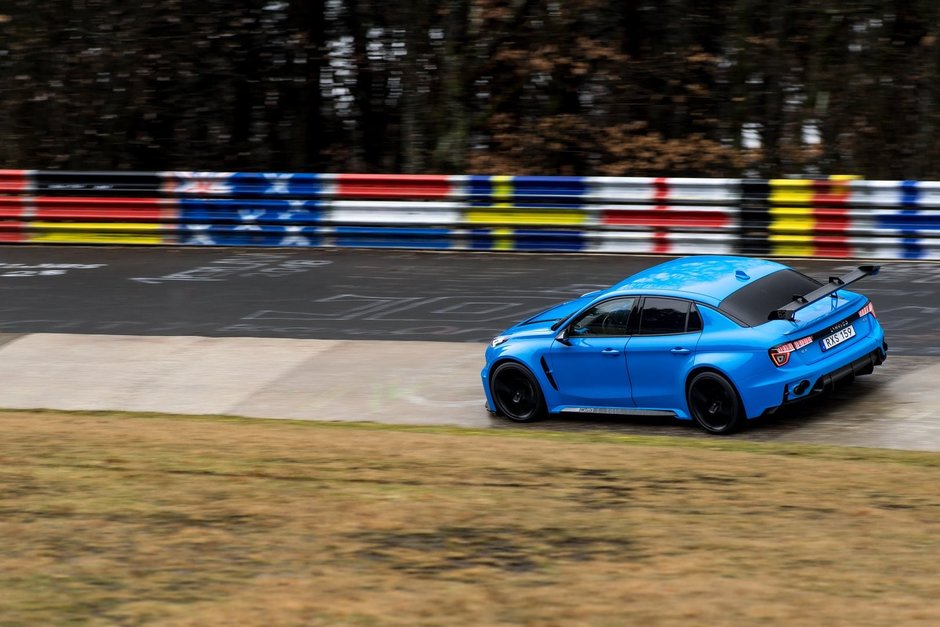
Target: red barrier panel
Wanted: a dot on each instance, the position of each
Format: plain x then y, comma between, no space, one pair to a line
12,231
665,217
14,180
417,186
830,193
833,247
832,220
13,207
101,209
830,210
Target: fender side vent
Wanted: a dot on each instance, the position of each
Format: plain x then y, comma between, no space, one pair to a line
548,373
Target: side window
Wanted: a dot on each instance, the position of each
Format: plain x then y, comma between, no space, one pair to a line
662,316
695,320
611,317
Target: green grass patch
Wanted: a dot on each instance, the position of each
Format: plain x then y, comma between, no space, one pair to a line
137,518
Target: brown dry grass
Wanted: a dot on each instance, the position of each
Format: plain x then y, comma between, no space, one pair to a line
132,519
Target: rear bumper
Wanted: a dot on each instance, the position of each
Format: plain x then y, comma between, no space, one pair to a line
863,365
790,384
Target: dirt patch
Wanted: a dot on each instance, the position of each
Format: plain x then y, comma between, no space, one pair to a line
454,548
135,519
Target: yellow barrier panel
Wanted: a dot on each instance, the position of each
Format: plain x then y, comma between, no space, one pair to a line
502,187
791,216
507,214
791,191
502,239
792,219
792,245
96,233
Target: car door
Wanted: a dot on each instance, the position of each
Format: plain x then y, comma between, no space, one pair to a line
588,364
662,350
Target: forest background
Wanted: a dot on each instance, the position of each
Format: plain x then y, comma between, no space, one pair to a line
730,88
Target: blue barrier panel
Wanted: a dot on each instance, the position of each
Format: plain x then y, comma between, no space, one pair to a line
909,193
911,248
548,186
527,239
249,235
557,189
909,223
255,211
393,237
245,184
549,240
276,184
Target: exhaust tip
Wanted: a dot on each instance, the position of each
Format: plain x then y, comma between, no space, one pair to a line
801,387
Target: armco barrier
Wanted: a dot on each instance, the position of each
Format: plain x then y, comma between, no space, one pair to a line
844,217
836,217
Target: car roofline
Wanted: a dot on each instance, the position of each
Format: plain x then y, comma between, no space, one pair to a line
698,297
714,276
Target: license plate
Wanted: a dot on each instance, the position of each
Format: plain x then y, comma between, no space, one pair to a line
838,337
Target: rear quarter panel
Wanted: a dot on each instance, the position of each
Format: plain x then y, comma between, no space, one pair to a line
740,353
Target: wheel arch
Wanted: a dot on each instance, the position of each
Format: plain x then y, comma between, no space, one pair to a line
545,385
699,368
532,374
502,359
709,368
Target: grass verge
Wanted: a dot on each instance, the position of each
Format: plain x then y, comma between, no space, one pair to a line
131,518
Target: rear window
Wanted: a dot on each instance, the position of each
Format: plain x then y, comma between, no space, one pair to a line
751,305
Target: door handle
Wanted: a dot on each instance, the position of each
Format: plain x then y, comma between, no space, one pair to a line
610,351
678,350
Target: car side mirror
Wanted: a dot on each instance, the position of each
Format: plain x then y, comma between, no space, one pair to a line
562,336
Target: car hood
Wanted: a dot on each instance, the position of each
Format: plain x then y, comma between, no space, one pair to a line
543,321
534,331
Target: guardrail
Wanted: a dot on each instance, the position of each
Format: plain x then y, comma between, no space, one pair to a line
845,217
837,217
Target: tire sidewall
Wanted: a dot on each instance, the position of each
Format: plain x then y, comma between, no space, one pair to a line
736,423
508,366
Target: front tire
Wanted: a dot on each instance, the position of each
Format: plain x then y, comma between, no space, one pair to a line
516,393
715,404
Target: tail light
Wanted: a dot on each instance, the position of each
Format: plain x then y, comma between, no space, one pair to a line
867,309
780,355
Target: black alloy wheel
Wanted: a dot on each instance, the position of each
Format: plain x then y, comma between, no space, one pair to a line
715,404
517,394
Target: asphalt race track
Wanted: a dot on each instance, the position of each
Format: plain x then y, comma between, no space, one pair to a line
279,331
359,294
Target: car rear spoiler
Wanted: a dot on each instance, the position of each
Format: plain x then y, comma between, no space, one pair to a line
788,311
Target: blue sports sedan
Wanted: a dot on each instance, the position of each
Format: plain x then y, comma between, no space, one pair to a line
714,339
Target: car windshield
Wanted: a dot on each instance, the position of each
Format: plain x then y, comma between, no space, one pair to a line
753,303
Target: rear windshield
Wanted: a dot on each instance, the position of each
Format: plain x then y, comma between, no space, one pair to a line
752,304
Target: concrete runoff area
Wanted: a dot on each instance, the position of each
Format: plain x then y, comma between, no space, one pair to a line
402,382
397,382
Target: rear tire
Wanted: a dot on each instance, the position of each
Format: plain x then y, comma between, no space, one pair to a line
516,393
715,404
